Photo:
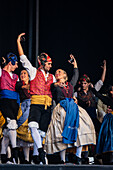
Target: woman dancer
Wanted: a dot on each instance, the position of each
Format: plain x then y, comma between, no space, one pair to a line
9,103
56,138
24,136
105,144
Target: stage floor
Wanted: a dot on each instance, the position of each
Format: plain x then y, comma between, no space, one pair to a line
55,167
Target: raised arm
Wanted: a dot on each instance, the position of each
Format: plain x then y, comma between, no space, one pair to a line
24,60
75,71
20,49
99,84
73,61
104,71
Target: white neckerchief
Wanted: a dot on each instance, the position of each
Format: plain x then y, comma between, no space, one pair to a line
46,76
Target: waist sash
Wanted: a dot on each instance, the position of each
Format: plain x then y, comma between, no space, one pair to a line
42,100
8,94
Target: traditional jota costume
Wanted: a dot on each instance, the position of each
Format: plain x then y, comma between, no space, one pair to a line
66,122
9,103
41,100
105,142
23,133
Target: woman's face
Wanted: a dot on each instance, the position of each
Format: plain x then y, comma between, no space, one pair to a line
85,85
24,76
59,74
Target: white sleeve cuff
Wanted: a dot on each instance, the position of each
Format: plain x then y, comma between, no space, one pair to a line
22,57
54,79
98,85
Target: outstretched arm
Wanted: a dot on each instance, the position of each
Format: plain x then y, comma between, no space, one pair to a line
23,59
99,84
104,71
20,49
75,71
73,61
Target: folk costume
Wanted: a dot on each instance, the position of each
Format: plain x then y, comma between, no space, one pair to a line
65,117
9,106
85,98
54,137
41,101
104,143
23,133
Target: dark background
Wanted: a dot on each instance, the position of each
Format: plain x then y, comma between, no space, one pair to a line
83,28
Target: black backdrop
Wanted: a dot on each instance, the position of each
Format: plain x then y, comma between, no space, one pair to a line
84,28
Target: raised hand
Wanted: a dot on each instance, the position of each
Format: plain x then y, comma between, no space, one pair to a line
20,37
73,60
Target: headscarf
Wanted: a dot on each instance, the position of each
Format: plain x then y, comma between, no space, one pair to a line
11,57
44,57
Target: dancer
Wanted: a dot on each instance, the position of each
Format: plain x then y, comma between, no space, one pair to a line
104,144
86,98
9,104
41,97
55,141
24,136
62,91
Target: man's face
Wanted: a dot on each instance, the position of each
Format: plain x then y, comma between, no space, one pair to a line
47,66
13,67
85,85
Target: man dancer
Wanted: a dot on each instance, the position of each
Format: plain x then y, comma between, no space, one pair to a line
9,104
41,97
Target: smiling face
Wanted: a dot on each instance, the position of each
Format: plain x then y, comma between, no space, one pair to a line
47,66
24,76
60,74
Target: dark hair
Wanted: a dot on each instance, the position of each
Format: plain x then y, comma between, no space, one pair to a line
26,71
85,78
109,89
43,58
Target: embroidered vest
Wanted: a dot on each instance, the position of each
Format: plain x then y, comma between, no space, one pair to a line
69,92
6,82
40,86
84,98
